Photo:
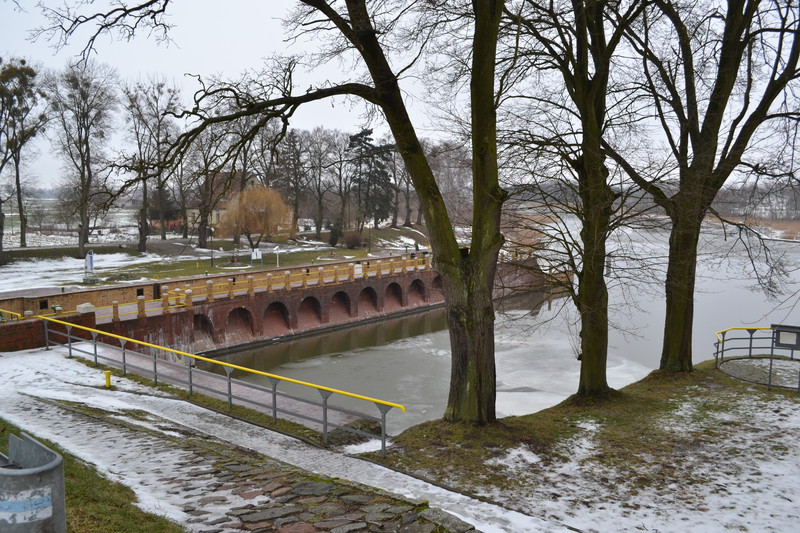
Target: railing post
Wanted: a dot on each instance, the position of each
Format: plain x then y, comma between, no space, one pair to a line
191,364
46,334
383,409
209,291
771,354
187,300
155,369
140,307
124,365
94,343
115,311
274,382
750,347
716,354
325,395
228,372
69,340
165,299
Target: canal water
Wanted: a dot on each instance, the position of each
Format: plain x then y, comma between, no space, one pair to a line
407,360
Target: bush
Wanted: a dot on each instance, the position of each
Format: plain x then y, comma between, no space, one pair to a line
352,239
336,232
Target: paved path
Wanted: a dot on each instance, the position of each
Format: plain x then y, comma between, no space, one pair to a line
212,473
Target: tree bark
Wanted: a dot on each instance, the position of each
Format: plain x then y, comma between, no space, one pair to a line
23,218
676,353
597,206
143,225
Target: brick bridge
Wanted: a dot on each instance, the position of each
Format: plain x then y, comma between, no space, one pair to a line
205,313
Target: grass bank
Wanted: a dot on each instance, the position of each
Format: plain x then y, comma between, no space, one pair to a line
633,440
94,503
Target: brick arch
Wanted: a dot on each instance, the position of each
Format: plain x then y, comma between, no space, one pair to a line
203,333
367,302
275,321
239,325
309,313
339,308
393,298
437,290
417,293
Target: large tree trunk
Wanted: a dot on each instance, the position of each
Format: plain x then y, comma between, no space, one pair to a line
470,320
23,218
320,216
162,208
143,225
202,231
676,353
597,201
2,230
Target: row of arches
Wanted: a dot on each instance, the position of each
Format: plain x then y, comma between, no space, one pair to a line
275,318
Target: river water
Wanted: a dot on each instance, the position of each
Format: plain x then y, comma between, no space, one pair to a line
407,360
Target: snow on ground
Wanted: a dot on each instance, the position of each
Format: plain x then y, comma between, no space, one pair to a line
755,492
40,273
35,375
745,482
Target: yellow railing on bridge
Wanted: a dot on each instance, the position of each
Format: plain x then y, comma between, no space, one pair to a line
266,281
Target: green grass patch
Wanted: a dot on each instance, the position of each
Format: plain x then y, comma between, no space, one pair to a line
95,504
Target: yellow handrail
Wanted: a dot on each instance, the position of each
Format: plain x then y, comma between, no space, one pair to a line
721,340
4,311
221,363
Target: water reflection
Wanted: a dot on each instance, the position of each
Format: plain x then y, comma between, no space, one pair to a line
349,339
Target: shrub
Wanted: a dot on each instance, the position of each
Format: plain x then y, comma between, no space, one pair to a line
352,239
336,232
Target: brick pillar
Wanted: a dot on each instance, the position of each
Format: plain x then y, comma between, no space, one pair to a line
209,291
232,288
165,299
320,276
140,307
250,289
351,275
115,312
288,282
187,300
269,282
380,268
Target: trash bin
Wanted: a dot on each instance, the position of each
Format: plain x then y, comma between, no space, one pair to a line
31,488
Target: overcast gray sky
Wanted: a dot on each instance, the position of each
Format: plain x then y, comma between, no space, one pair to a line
210,37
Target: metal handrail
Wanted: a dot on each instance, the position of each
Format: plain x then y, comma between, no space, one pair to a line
325,392
751,346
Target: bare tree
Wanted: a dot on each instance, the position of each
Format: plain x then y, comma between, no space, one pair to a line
149,107
721,83
22,117
82,101
320,146
575,45
368,33
293,174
